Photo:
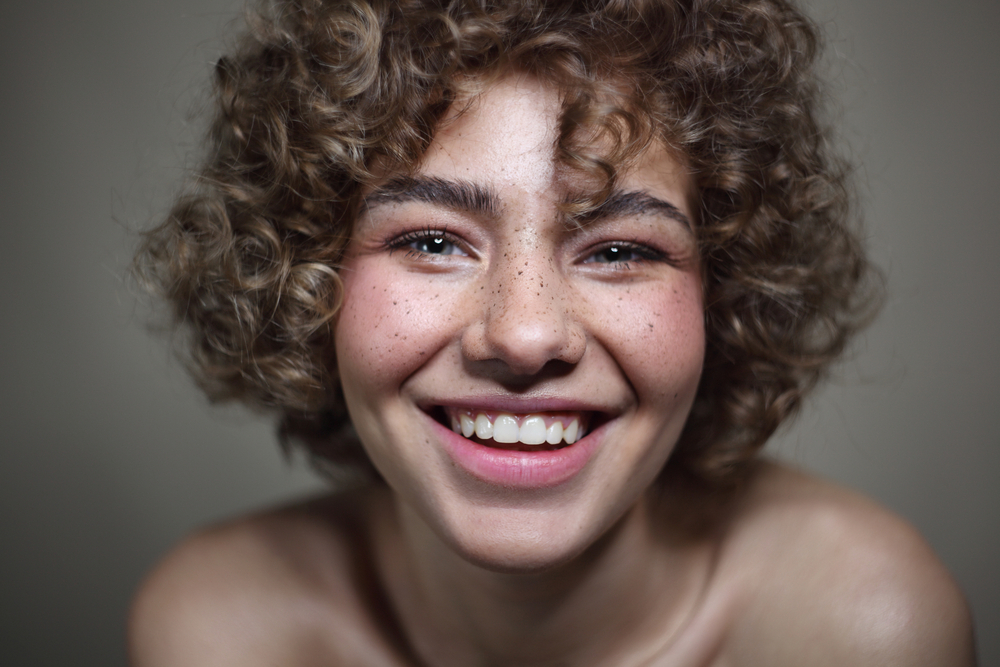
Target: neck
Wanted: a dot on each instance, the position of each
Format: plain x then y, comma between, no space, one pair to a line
615,604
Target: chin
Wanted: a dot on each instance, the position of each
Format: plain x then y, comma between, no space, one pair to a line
519,556
523,540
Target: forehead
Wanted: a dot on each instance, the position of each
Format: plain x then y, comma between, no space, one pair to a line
507,133
507,137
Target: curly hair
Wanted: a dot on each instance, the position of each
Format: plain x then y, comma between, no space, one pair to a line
321,96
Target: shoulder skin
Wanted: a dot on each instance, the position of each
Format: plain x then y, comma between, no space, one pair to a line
815,575
286,588
830,578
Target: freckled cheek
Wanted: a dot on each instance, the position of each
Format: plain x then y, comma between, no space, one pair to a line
659,338
391,324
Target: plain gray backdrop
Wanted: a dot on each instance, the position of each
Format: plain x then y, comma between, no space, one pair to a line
109,455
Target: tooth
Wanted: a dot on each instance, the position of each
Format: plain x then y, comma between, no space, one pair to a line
455,425
468,426
554,434
504,429
532,431
484,429
569,435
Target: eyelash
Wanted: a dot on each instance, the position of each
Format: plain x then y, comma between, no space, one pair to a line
403,241
643,251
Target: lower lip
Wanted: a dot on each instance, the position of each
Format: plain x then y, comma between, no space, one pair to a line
519,469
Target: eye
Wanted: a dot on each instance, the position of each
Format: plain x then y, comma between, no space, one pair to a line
613,254
427,242
435,245
622,253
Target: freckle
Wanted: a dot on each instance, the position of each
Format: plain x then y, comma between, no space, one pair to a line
394,303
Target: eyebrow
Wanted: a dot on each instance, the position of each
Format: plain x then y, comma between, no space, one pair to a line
460,195
622,203
475,198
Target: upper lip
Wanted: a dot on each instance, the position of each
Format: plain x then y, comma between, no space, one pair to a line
516,404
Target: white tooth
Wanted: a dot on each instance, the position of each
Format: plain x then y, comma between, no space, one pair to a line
455,426
569,435
505,429
554,435
468,426
484,429
532,431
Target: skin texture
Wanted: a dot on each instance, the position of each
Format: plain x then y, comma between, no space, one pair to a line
525,313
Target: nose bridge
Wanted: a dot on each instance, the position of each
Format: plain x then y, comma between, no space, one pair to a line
527,290
527,319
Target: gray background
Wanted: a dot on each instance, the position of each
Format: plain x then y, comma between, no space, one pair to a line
109,455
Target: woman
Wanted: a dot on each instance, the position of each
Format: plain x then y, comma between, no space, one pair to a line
547,275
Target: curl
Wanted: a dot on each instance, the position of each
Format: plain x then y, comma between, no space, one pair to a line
321,97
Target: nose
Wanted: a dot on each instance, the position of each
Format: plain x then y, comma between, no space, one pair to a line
525,319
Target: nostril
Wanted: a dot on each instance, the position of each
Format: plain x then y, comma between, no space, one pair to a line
524,319
511,380
526,341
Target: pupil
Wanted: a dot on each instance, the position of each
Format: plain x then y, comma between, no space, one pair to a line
435,245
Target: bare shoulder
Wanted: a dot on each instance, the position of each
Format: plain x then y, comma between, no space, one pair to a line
831,578
286,587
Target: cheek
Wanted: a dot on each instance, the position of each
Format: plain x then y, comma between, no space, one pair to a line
658,333
390,323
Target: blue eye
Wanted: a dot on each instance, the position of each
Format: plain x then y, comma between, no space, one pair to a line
427,242
434,245
615,254
621,253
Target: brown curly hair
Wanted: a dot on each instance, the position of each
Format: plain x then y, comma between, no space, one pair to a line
320,96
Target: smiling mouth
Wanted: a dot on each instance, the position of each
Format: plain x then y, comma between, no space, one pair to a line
536,431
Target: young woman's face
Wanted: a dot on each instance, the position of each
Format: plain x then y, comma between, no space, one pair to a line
566,357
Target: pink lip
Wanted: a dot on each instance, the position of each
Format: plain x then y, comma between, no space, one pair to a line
516,405
518,469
